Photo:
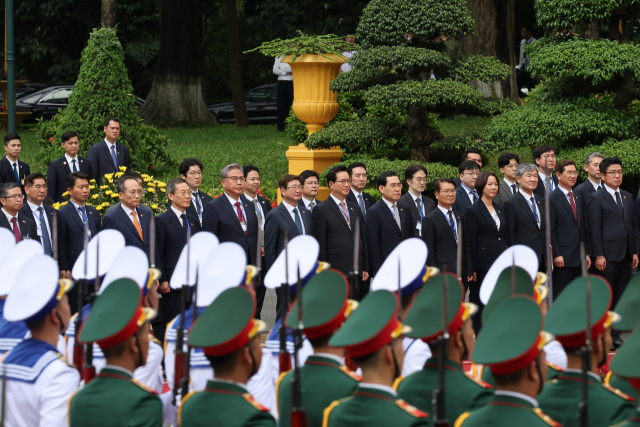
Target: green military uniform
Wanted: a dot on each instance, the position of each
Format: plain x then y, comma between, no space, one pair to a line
114,397
552,372
323,378
624,366
621,384
225,326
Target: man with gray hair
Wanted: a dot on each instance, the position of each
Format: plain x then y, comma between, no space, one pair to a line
525,213
226,216
593,182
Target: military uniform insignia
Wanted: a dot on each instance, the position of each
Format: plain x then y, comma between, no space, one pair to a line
546,418
144,387
477,381
461,419
556,367
154,339
396,383
618,392
411,409
350,373
255,403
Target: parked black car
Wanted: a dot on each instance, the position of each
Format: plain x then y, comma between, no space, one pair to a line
261,107
45,103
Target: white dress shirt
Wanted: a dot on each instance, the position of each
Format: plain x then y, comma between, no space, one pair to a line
178,214
535,204
308,202
282,70
414,197
250,199
109,145
335,199
293,216
509,183
446,215
390,205
71,159
36,216
128,212
613,192
595,186
469,192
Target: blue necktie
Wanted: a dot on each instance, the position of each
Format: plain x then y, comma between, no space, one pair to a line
361,204
15,172
113,156
74,165
46,242
83,212
298,222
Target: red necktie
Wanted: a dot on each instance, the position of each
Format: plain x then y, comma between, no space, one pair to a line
573,205
240,215
16,229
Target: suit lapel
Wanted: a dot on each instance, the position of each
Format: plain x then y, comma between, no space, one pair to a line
559,195
129,223
527,207
7,165
284,213
488,217
336,210
231,210
24,231
390,217
613,203
445,223
411,202
107,150
74,213
176,223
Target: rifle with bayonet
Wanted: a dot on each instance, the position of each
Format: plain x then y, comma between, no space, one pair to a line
184,384
547,220
585,352
256,282
89,369
440,416
180,363
283,356
354,276
78,347
298,414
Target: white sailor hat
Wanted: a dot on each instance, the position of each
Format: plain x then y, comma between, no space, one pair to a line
37,292
111,243
518,255
408,261
7,243
131,263
198,250
226,267
303,253
12,265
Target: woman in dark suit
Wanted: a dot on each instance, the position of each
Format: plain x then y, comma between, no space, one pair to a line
487,233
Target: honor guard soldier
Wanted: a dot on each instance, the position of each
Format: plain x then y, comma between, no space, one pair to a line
567,320
323,378
372,336
413,275
462,392
229,335
517,365
120,326
625,367
37,381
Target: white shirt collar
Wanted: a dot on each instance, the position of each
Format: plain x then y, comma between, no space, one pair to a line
110,144
579,371
249,198
11,161
126,209
595,186
8,215
118,368
444,211
307,202
509,183
233,202
357,193
176,211
529,399
289,207
386,388
244,386
338,359
526,196
33,206
389,204
69,159
77,205
413,196
467,189
565,192
335,199
612,191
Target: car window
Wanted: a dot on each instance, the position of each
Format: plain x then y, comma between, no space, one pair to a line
60,96
262,94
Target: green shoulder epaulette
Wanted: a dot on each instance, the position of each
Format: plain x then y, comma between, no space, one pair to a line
546,418
477,381
351,373
327,411
461,419
396,383
618,392
254,402
144,387
411,409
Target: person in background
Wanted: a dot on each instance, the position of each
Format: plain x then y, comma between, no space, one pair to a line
191,170
12,219
545,157
310,188
358,176
593,182
70,162
35,187
11,168
416,178
471,154
284,97
350,38
116,206
523,77
508,163
466,193
107,156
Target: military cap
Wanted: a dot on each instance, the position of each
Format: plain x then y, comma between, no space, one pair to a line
520,319
627,306
37,292
407,263
325,304
372,326
227,324
111,243
506,286
625,363
518,255
303,256
115,315
132,263
7,243
426,317
567,317
196,252
13,263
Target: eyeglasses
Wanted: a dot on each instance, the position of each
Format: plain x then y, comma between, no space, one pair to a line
236,178
397,185
571,173
134,192
183,193
512,165
343,181
420,180
614,173
294,187
12,196
447,192
312,183
40,187
472,174
194,173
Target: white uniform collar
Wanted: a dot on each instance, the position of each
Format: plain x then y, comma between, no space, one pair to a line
381,387
529,399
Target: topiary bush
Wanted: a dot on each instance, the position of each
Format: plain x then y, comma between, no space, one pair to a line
103,90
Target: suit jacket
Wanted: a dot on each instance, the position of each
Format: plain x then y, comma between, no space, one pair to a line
335,237
277,221
100,158
382,232
221,219
539,191
566,231
487,242
369,201
584,191
142,208
610,234
265,204
462,200
504,193
410,200
7,175
59,170
442,245
26,211
28,228
301,204
71,233
191,210
522,228
171,240
458,181
118,220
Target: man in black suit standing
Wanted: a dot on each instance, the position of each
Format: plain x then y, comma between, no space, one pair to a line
107,156
358,176
70,162
12,219
230,216
36,189
12,169
419,205
471,154
389,222
568,227
508,163
593,182
613,232
191,170
525,214
172,228
334,226
442,232
466,194
545,157
310,181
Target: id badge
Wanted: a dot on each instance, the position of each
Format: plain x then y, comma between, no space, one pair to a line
419,227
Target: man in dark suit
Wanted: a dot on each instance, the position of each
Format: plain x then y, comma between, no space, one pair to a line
389,221
508,163
172,228
613,232
107,156
73,219
334,226
442,232
525,214
590,185
70,162
12,219
419,205
142,208
568,227
12,169
358,175
545,157
230,216
466,194
35,187
310,181
471,154
191,170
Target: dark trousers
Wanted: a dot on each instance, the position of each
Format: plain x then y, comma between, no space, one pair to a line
618,275
562,277
523,79
170,309
474,298
284,101
260,291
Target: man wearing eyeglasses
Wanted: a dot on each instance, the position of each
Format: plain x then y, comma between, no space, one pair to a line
310,187
191,171
613,232
466,194
508,163
231,217
12,219
35,187
545,157
419,205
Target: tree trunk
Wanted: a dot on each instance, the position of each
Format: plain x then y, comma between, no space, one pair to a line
422,135
592,30
109,13
175,98
235,65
